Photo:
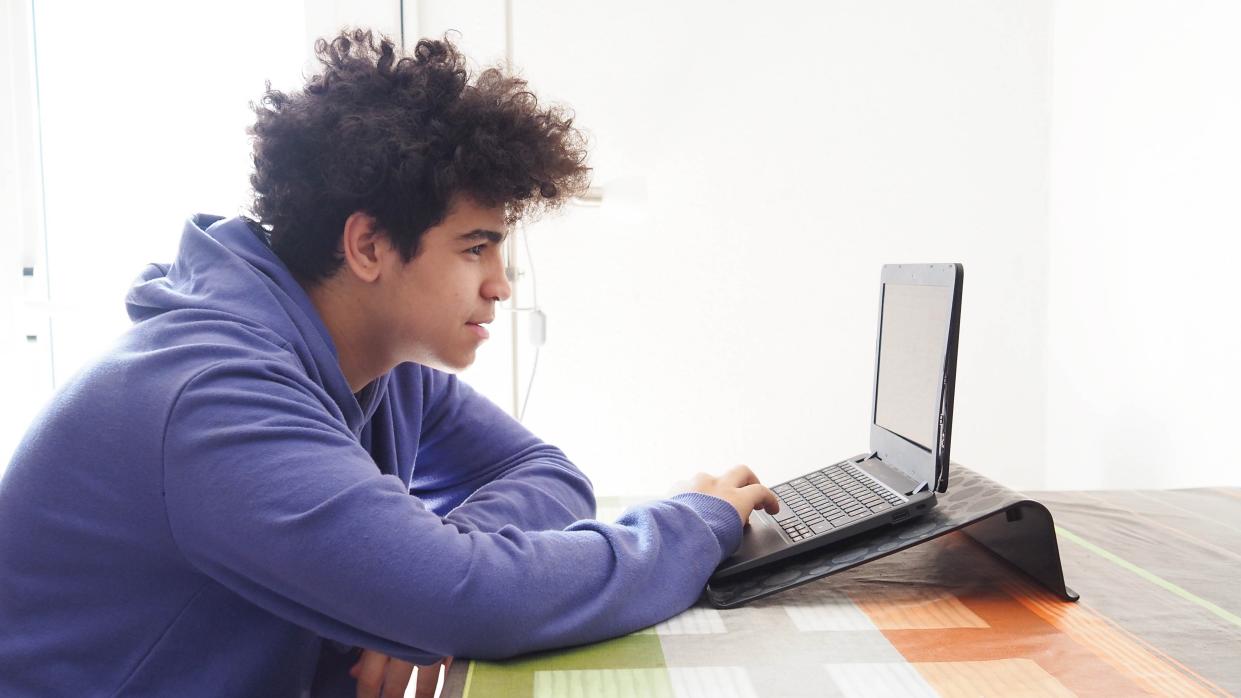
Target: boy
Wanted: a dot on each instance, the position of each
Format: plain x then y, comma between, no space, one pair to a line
222,505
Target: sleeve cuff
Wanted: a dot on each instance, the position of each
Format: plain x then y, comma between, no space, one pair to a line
720,516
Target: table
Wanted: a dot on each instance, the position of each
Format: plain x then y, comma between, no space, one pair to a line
1160,614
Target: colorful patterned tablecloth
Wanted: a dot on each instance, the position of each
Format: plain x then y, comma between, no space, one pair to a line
1159,573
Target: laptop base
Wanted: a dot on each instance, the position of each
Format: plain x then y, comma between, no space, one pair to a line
1015,528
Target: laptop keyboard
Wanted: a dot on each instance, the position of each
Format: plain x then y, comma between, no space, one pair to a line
830,498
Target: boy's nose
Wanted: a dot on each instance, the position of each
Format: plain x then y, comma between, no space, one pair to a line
498,288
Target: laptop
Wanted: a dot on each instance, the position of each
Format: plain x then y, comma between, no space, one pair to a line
910,430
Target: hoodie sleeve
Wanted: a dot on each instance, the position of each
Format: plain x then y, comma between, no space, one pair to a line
273,498
475,457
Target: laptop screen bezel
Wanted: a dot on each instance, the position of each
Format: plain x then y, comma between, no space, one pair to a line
929,465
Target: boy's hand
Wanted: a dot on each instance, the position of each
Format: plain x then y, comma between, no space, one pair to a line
739,487
381,676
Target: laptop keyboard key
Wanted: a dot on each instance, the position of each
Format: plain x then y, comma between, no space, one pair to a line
785,513
821,527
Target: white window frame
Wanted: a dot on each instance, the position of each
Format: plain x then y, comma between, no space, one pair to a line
25,336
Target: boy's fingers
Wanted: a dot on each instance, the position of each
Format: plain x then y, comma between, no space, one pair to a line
740,476
396,678
762,497
370,673
428,677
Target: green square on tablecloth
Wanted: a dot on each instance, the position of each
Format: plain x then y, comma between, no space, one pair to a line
516,677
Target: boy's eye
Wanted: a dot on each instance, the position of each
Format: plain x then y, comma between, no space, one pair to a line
477,249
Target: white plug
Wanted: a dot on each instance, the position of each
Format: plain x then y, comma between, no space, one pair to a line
538,328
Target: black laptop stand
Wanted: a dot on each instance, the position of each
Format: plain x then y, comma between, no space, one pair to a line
1017,529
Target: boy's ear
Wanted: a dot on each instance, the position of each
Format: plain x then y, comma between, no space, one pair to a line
363,244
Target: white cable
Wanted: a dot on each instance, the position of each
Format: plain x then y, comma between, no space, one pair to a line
533,370
534,279
536,318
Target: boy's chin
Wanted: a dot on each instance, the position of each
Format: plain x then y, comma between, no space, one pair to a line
447,364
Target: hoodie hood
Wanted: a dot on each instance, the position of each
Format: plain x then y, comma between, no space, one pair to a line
222,265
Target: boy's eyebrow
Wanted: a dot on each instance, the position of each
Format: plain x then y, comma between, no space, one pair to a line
479,234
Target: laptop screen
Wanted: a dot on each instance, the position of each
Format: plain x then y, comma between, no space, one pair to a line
912,340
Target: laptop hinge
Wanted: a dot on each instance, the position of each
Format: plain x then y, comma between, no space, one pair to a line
891,477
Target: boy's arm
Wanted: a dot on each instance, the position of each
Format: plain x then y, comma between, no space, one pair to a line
283,507
486,470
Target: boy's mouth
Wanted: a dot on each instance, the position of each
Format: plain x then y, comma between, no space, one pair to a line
479,329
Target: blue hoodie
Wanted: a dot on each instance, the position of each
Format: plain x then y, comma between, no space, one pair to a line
209,510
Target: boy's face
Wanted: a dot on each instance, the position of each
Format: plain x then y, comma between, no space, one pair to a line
439,298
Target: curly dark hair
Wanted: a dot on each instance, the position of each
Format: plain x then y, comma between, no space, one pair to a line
398,137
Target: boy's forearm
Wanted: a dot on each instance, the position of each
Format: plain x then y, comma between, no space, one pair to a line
542,493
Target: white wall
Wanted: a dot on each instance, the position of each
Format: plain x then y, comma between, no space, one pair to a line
760,163
786,153
1143,374
128,151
